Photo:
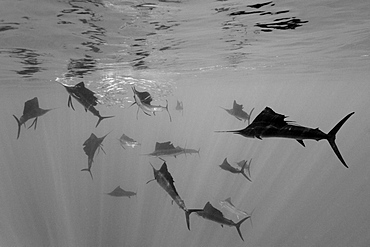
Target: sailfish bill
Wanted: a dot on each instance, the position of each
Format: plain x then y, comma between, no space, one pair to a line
271,124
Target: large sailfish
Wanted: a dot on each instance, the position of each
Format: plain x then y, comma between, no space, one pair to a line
271,124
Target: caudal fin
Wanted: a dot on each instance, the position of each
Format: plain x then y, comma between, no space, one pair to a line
168,111
237,225
102,118
19,126
86,169
187,215
242,171
331,138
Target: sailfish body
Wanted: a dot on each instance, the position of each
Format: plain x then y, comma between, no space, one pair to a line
271,124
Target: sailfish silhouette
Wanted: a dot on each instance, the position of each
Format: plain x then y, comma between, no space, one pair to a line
90,146
271,124
211,213
237,111
31,110
165,180
85,97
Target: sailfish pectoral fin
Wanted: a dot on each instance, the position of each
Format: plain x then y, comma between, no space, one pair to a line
301,142
33,123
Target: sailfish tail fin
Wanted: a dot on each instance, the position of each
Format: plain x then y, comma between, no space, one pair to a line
102,118
87,169
19,126
187,215
237,225
331,138
242,171
168,111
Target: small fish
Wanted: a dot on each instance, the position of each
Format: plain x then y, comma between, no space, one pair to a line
180,107
271,124
85,97
143,100
227,204
227,167
237,111
90,146
165,180
31,110
119,192
213,214
127,141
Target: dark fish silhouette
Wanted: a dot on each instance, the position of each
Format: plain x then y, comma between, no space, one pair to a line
227,167
31,110
271,124
85,97
90,146
165,180
180,107
237,111
119,192
127,141
143,101
213,214
165,149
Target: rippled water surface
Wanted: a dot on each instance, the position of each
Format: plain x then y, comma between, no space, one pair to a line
308,60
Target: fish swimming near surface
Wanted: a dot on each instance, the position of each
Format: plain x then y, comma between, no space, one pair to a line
119,192
31,110
165,180
238,112
127,141
271,124
180,107
92,144
143,101
227,204
227,167
85,97
211,213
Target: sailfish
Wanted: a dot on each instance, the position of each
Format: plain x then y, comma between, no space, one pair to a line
143,101
211,213
227,167
85,97
92,144
31,110
238,112
165,180
271,124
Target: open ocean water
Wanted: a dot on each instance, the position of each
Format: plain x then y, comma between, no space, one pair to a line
308,60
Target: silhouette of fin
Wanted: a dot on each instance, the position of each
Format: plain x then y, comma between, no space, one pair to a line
86,169
187,214
237,225
301,142
19,126
331,138
242,171
168,111
102,118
